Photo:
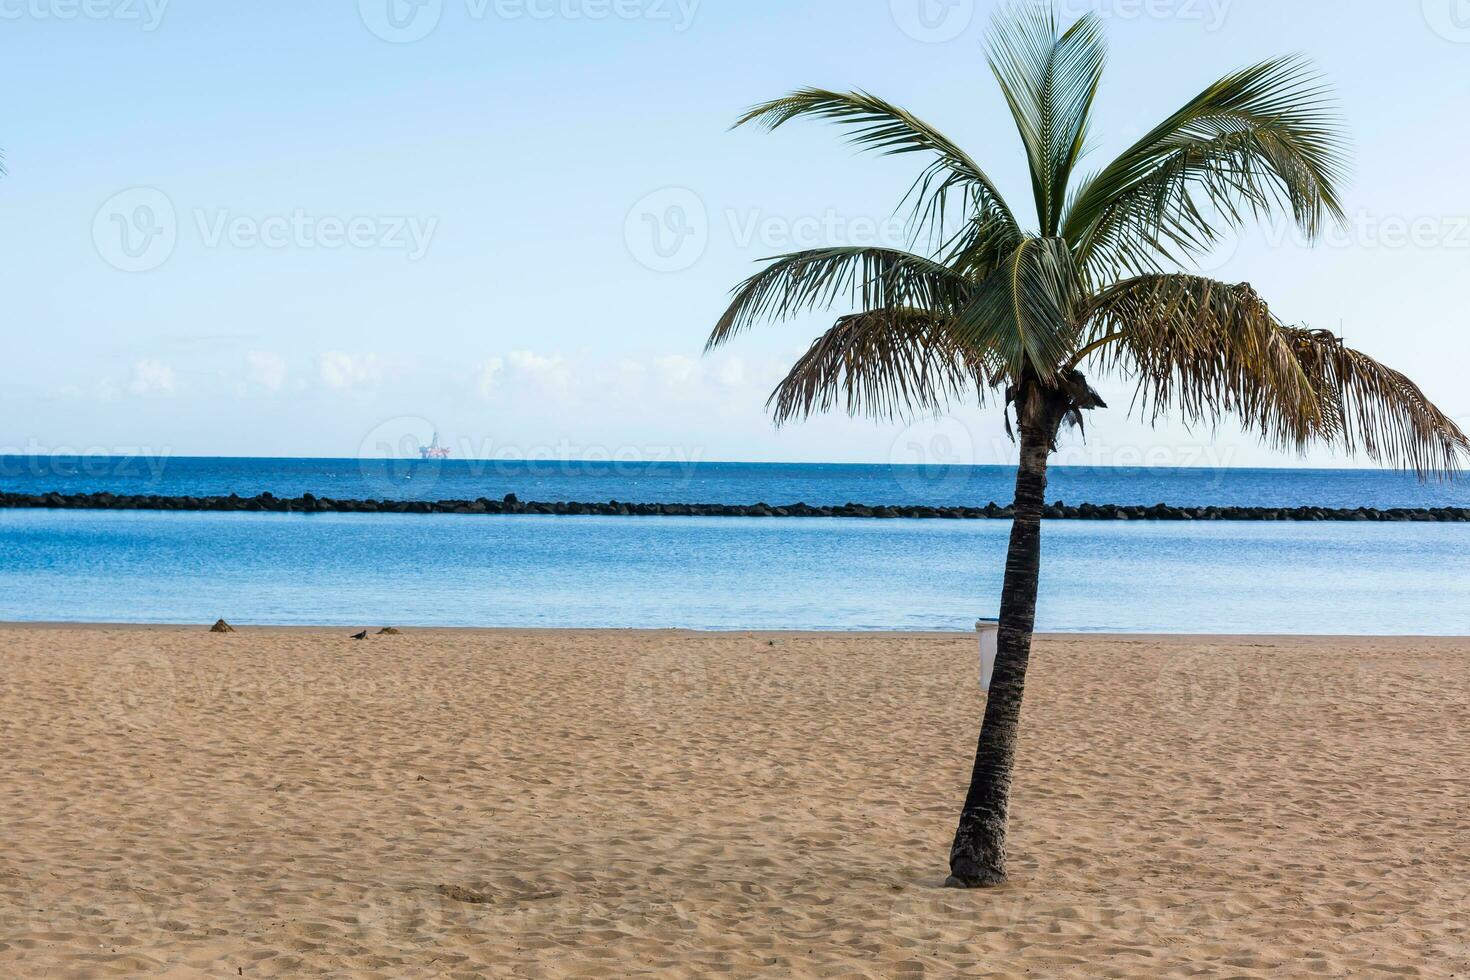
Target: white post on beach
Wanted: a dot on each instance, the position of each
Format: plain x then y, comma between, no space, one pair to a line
989,632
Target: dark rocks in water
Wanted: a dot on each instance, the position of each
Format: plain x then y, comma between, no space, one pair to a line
310,504
222,627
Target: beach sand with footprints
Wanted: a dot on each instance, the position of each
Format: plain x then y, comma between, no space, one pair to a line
285,803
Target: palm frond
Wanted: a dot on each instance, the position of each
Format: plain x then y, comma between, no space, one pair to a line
1256,141
1024,312
1205,348
1369,407
882,363
1049,78
818,279
887,129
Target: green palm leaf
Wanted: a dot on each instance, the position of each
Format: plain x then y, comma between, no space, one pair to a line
1049,78
1254,141
885,128
818,279
1023,312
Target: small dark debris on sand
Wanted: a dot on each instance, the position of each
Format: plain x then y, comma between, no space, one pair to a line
222,627
389,631
460,894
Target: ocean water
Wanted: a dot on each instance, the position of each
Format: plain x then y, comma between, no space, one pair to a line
724,483
374,570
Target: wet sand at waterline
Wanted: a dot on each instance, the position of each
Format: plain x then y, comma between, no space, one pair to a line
608,804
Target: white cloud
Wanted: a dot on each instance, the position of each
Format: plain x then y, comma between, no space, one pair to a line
677,371
522,372
489,372
265,369
151,377
549,371
676,377
730,372
339,370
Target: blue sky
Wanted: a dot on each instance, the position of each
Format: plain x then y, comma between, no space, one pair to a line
285,228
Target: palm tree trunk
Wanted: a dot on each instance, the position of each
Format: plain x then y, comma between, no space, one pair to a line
978,857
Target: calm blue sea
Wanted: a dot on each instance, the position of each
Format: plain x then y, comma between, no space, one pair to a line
371,570
718,483
732,573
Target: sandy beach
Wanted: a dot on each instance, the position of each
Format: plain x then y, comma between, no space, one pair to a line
280,803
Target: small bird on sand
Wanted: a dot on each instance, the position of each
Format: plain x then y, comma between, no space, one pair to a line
360,636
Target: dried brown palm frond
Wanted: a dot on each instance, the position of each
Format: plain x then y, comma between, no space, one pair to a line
882,363
1367,406
1205,348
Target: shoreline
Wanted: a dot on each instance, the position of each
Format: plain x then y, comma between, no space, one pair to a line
511,505
687,633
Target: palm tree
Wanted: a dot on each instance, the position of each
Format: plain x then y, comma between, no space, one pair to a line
983,304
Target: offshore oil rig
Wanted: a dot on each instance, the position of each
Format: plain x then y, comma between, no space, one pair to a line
433,450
